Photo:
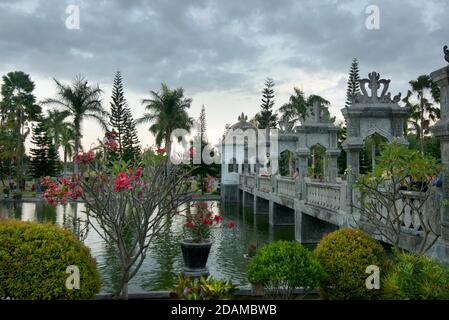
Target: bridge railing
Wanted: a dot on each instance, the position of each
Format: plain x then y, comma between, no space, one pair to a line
265,184
286,187
330,196
250,181
411,215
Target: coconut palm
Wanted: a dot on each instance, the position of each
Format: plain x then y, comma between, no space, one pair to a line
82,101
54,124
424,112
167,111
66,139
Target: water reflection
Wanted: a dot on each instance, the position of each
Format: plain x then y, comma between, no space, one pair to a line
164,259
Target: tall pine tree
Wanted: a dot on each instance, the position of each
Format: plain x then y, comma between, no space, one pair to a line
353,86
122,122
266,118
203,170
130,141
44,158
119,107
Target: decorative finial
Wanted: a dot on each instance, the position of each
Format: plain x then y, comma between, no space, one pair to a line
446,53
243,118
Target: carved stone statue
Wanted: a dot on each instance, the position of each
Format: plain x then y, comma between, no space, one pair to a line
446,53
374,84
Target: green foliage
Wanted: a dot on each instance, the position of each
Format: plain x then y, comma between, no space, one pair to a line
34,258
400,166
285,265
44,159
17,107
166,111
345,254
431,145
353,83
122,122
266,118
416,277
203,289
81,101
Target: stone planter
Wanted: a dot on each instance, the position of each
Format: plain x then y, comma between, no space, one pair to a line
195,257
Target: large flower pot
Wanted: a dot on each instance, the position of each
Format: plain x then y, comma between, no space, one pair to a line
195,257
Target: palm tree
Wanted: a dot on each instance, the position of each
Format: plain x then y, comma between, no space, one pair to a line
423,112
297,109
55,124
18,107
167,111
82,101
66,139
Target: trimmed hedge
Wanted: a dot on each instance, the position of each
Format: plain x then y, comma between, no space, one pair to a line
285,265
34,258
345,254
417,278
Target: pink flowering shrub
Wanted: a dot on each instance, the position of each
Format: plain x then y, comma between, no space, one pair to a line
200,224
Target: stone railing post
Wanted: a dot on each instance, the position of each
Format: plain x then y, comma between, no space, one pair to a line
441,131
303,163
331,170
352,148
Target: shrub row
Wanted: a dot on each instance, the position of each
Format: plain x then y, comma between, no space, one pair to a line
338,267
34,259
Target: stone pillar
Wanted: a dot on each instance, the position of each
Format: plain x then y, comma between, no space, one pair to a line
303,163
331,169
441,131
352,146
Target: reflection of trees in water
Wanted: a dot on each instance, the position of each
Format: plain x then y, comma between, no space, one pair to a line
166,255
77,225
45,213
11,210
111,269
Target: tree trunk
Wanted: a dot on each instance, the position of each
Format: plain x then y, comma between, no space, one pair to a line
373,155
77,144
421,131
65,162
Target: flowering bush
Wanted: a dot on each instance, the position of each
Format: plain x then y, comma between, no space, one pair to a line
129,202
200,224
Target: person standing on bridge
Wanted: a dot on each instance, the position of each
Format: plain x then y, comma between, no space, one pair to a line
296,176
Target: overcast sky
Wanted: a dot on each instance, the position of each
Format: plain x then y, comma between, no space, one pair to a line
219,51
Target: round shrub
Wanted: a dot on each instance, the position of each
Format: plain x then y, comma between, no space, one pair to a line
33,262
345,254
282,266
417,278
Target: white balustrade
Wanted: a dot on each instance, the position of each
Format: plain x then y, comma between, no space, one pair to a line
286,187
265,184
326,195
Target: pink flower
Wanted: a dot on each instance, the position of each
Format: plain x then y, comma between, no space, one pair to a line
111,144
160,151
122,182
137,174
231,224
206,222
189,225
218,218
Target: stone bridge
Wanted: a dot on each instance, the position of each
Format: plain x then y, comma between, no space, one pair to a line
316,207
322,208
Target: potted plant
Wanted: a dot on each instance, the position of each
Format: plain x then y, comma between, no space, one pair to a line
196,248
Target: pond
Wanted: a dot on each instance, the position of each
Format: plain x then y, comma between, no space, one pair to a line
164,259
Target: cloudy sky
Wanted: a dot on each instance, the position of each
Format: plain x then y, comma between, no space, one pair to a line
219,51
